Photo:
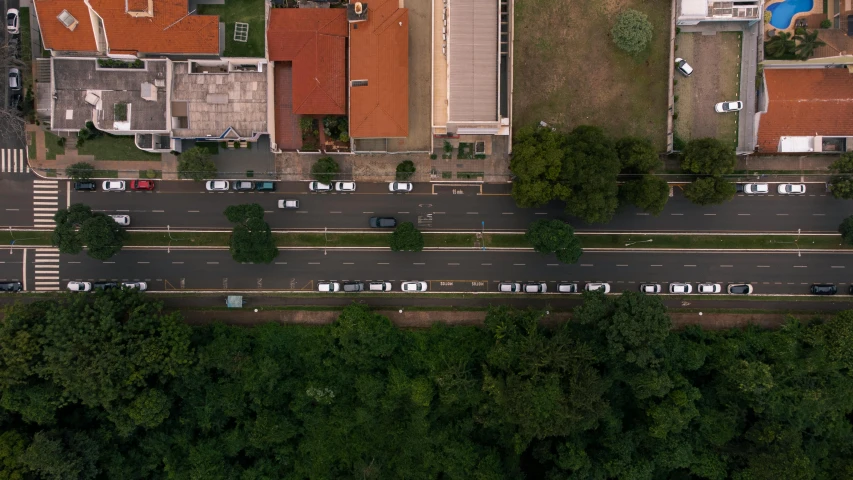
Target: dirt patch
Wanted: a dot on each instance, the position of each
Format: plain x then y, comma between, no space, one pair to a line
420,81
716,78
568,72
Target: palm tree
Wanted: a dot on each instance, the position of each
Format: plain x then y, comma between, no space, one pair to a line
808,44
780,45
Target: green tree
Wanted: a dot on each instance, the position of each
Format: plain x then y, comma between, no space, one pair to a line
405,170
80,171
537,159
807,44
843,164
648,192
632,31
555,236
325,169
196,164
407,238
780,45
637,155
102,236
252,240
708,156
846,230
590,168
841,184
710,191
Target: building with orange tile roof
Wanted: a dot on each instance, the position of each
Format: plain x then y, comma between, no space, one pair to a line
808,110
127,27
379,71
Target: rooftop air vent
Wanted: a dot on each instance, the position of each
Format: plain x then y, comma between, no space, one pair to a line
68,20
358,83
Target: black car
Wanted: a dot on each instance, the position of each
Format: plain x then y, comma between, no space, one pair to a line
15,101
739,187
823,289
11,286
353,286
104,285
739,289
383,222
85,186
850,291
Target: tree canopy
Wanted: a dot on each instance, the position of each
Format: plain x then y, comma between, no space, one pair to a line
632,31
251,240
405,170
846,230
196,164
708,156
841,184
407,238
110,385
647,192
637,155
78,225
80,171
710,191
555,236
325,169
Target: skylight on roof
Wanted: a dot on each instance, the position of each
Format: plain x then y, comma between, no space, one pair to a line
68,20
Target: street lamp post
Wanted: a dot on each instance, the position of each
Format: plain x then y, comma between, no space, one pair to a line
484,234
326,238
640,241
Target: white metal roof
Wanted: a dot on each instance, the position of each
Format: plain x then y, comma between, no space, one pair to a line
472,44
796,144
694,8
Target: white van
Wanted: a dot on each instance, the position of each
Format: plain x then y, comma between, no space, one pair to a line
123,220
535,288
288,203
379,286
509,287
567,288
329,287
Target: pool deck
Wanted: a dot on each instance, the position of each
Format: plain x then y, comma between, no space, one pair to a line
813,16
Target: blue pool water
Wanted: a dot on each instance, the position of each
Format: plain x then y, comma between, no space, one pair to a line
783,12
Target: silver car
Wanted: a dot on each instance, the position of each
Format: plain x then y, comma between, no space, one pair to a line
345,186
567,287
113,186
680,288
79,286
509,287
791,189
141,286
756,188
709,288
650,288
413,286
123,220
725,107
217,185
597,287
319,187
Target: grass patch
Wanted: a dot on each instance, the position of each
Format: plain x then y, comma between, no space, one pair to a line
26,48
570,73
332,239
721,242
25,238
147,239
211,147
104,173
31,147
246,11
112,147
150,174
506,241
469,175
446,175
51,143
449,240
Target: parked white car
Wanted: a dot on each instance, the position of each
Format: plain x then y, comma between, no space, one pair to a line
123,220
725,107
680,288
329,286
414,286
709,288
791,189
113,186
399,187
141,286
217,185
319,187
79,286
601,287
344,186
756,188
12,21
682,66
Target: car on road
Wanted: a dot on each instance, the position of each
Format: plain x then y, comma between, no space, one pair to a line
14,79
344,186
242,186
380,286
123,220
739,289
596,286
141,286
383,222
680,288
650,288
538,287
682,66
413,286
353,287
329,286
142,185
85,186
113,186
319,187
565,287
13,21
265,186
399,187
104,285
791,189
217,185
79,286
11,286
288,203
823,289
509,287
756,188
709,288
725,107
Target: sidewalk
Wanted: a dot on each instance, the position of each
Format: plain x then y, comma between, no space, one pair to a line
803,164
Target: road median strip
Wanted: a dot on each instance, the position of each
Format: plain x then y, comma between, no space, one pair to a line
468,240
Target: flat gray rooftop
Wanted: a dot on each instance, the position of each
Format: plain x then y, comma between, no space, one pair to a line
74,78
472,56
216,102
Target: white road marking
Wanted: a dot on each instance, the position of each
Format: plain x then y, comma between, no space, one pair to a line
586,264
213,263
763,266
553,264
472,213
801,266
818,214
192,211
690,265
743,214
453,264
837,266
518,264
621,265
313,263
726,266
656,265
402,212
507,213
486,264
676,214
143,262
541,213
366,212
710,214
156,211
419,264
334,212
781,214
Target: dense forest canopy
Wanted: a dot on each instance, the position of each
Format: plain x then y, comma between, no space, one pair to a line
111,386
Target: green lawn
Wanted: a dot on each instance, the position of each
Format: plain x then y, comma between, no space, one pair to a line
247,11
26,50
109,147
51,143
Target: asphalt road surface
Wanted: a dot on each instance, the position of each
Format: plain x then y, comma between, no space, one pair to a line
446,271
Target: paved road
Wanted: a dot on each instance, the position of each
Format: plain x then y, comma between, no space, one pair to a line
450,271
436,207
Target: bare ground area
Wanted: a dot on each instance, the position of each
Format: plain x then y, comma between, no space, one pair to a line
716,63
420,78
568,72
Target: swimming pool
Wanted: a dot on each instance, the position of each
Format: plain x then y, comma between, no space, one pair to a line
783,12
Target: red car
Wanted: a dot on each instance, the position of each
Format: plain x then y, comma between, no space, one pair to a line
142,185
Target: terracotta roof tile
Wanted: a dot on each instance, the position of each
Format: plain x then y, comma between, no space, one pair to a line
806,102
167,29
56,35
314,40
379,53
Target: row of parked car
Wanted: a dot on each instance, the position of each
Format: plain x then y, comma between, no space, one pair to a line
238,186
762,188
89,286
13,45
570,287
114,185
352,287
393,187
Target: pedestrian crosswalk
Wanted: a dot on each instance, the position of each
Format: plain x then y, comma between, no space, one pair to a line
47,269
45,202
14,160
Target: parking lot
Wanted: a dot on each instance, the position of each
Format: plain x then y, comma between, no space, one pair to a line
716,78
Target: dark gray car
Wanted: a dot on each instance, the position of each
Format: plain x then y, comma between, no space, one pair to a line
353,287
383,222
